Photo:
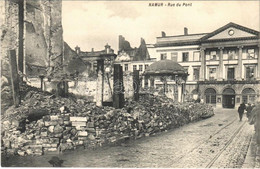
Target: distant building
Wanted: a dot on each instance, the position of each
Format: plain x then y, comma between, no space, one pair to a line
223,65
92,57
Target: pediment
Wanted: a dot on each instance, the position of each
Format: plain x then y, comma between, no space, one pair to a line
231,31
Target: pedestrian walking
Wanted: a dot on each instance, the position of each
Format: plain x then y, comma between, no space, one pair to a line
249,109
241,110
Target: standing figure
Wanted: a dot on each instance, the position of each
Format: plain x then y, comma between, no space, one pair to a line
241,109
249,111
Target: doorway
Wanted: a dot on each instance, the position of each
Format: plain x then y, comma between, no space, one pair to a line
228,98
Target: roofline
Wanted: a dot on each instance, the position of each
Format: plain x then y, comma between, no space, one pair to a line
182,35
197,42
249,30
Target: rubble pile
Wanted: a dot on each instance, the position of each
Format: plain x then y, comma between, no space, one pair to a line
45,123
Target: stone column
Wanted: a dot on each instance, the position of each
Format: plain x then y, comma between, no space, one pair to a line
100,83
220,71
239,68
258,63
203,64
179,93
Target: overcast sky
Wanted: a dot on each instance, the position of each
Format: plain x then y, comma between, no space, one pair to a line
92,24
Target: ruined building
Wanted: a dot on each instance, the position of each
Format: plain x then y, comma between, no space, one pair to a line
34,30
127,53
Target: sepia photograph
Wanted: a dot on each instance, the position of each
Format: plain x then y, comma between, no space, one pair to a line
130,84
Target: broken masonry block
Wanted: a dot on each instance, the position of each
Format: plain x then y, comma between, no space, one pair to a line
78,123
83,133
79,119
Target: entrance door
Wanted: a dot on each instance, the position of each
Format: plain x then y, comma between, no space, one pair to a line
228,98
229,101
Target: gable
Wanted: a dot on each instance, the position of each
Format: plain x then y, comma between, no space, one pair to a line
231,32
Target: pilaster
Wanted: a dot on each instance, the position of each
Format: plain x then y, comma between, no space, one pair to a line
220,70
203,64
239,67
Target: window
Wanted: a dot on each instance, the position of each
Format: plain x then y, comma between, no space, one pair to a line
210,95
140,68
174,56
232,54
126,67
249,95
231,73
213,55
134,67
146,66
251,54
185,56
212,73
163,56
250,72
196,56
196,73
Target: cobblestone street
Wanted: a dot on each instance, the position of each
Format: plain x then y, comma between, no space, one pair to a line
220,141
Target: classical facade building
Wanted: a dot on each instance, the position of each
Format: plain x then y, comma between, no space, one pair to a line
223,65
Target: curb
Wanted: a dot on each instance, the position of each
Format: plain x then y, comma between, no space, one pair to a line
251,154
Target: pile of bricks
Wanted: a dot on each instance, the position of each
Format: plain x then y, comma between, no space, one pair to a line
68,128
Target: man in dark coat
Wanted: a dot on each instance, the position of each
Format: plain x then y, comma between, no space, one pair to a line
249,109
241,110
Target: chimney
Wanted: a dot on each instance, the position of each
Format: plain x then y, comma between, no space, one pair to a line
77,49
163,34
92,50
107,48
185,31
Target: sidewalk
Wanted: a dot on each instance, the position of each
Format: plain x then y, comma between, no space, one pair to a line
252,159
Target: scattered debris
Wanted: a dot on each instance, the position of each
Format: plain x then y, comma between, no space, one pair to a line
55,124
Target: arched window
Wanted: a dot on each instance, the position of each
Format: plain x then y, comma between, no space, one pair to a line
228,91
210,95
248,95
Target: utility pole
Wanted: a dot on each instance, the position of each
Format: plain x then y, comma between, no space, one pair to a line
21,36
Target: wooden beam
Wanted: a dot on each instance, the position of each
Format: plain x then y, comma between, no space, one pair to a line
14,77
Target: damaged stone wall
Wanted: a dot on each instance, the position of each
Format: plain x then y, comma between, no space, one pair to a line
9,41
44,34
43,38
9,33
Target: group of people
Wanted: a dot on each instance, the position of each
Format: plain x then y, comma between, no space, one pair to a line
248,108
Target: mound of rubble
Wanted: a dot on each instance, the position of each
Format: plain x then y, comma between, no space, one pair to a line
45,123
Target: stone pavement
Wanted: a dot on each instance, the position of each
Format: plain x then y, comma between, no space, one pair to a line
252,159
